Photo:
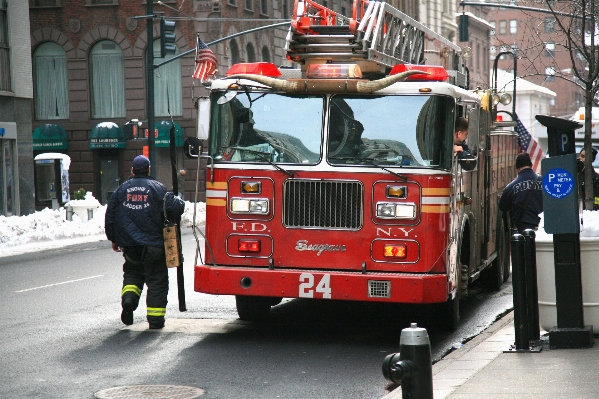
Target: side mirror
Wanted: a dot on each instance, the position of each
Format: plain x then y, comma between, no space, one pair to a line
203,118
192,147
468,162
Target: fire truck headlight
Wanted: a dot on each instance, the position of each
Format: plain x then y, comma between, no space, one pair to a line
395,211
385,210
259,206
242,205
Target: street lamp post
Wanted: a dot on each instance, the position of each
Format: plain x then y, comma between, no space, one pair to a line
150,87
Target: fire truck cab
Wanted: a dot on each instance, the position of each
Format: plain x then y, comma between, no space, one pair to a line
342,183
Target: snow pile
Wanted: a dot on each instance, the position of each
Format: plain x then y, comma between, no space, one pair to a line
42,229
589,228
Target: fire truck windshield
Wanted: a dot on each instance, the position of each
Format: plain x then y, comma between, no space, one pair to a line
371,131
261,127
396,130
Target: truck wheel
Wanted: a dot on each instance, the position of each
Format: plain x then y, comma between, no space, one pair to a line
446,315
253,308
497,272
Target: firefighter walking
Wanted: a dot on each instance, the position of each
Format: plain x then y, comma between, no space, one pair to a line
134,222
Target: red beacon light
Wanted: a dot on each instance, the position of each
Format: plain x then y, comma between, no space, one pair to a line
255,68
433,73
499,118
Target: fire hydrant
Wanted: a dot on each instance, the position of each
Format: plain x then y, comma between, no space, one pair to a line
412,367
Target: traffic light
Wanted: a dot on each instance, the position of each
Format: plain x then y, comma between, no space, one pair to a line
464,28
167,38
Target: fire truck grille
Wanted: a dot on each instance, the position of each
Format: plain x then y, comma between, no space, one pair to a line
323,204
379,289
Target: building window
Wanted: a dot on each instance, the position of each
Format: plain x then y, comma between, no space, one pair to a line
502,27
250,53
44,3
264,7
232,2
51,95
249,5
107,80
265,54
101,2
549,49
513,26
492,31
233,53
4,50
549,24
167,84
549,74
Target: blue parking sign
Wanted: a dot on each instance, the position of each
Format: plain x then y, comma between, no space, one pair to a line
558,183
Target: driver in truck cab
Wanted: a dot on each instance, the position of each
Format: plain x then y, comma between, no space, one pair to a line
460,148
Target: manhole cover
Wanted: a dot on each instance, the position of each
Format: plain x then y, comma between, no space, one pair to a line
150,392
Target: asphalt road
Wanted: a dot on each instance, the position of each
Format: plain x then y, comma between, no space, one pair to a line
62,336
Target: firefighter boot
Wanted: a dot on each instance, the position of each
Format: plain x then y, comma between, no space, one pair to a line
127,313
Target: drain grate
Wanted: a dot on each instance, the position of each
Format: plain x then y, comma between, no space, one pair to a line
150,392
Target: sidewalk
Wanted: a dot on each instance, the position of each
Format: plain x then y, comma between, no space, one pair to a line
481,369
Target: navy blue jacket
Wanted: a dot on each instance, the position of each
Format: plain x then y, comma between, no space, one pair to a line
514,197
134,215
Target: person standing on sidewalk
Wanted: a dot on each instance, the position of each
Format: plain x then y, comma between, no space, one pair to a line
523,196
134,222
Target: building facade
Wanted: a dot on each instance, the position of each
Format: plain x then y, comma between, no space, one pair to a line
16,92
540,45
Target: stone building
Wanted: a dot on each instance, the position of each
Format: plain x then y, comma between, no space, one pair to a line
16,92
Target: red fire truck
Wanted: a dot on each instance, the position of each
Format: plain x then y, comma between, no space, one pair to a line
338,181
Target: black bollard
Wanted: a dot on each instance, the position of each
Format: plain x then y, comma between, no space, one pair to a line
532,292
412,367
519,286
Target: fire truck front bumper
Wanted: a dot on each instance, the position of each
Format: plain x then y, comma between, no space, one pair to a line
291,283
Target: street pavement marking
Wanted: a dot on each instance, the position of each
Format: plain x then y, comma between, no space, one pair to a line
194,326
64,282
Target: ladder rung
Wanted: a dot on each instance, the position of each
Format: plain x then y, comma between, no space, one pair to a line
326,45
330,29
349,56
320,38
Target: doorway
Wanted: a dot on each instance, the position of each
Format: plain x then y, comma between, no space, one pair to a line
109,174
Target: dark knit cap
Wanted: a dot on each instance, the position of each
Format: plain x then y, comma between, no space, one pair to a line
140,162
523,160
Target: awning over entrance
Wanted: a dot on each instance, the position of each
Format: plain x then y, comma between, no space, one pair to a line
164,134
106,135
49,137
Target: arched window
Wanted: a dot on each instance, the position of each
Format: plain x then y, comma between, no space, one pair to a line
233,52
167,84
50,77
107,80
251,54
265,54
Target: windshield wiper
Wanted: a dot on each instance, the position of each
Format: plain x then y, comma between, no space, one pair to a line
264,156
370,161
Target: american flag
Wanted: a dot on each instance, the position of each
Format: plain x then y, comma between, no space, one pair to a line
529,144
205,62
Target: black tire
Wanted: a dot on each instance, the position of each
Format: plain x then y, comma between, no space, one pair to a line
497,273
253,308
446,315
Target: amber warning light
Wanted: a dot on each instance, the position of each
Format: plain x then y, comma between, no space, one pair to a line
333,71
395,251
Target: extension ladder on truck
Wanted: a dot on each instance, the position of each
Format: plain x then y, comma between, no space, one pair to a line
377,37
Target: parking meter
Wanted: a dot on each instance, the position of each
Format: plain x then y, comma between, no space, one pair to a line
560,207
560,134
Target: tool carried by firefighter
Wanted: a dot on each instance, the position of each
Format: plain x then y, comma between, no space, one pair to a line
341,181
